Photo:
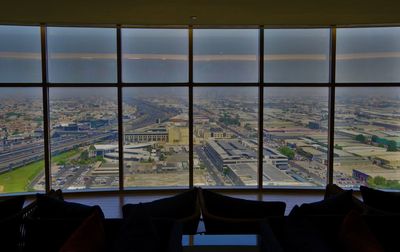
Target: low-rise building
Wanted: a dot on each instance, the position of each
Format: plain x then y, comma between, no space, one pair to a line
225,152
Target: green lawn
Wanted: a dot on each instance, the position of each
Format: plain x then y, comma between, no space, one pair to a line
18,180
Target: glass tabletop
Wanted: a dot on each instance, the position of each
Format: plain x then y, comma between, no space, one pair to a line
220,243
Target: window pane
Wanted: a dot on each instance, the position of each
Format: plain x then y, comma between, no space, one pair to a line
367,138
156,137
82,55
368,55
84,138
225,136
296,55
20,54
225,55
21,145
155,55
295,136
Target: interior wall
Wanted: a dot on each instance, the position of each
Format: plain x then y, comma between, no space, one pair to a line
208,12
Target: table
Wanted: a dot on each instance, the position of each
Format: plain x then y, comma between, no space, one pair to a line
221,243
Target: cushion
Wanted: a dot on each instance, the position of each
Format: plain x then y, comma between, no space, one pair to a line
381,200
339,204
54,221
56,194
182,207
89,237
356,236
332,190
229,207
11,206
175,207
51,208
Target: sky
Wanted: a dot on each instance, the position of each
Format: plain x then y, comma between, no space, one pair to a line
88,55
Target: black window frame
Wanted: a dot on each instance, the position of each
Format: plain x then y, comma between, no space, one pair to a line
190,85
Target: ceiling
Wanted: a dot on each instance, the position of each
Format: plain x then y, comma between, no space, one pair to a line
216,12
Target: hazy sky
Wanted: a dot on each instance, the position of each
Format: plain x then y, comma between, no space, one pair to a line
20,93
157,55
20,54
161,55
368,55
293,92
56,93
201,92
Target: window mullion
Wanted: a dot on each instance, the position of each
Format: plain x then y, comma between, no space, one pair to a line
120,112
191,173
331,108
46,115
260,107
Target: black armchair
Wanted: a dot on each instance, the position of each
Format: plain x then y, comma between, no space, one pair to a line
227,215
183,207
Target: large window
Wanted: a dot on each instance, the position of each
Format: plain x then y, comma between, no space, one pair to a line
295,136
21,140
296,55
119,108
155,55
367,138
225,122
225,55
82,55
84,138
156,137
366,150
20,55
368,55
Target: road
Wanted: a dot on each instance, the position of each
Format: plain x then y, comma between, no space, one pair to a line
212,170
20,156
148,114
27,155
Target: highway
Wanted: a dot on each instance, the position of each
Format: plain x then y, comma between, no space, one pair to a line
212,170
149,113
28,153
25,156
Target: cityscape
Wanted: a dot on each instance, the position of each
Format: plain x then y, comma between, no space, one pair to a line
84,137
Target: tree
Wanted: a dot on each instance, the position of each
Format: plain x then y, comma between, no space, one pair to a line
379,180
375,139
62,162
392,146
337,146
361,138
84,155
287,152
228,120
